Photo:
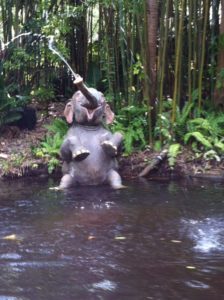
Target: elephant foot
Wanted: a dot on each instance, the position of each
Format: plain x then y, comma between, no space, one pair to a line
66,182
114,179
109,148
80,155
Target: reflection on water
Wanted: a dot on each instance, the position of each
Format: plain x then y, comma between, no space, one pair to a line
149,241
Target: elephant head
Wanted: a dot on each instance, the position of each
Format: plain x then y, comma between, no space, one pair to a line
88,106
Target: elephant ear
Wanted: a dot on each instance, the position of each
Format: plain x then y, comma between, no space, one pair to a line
68,112
109,115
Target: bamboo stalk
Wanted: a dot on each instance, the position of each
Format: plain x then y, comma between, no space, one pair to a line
190,50
177,62
122,49
214,33
206,13
195,44
152,26
117,62
162,64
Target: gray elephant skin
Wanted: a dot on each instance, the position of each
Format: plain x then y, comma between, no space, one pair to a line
89,150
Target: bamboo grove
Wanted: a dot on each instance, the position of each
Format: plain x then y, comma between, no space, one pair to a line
151,58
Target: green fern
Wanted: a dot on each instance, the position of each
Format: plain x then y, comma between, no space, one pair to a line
52,164
50,147
58,126
182,117
52,144
206,131
202,125
129,138
131,122
199,137
173,152
219,146
133,136
217,123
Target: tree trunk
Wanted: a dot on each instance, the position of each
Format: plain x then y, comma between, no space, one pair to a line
202,60
152,23
219,89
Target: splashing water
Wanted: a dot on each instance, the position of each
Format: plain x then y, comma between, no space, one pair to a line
207,234
15,38
53,49
105,285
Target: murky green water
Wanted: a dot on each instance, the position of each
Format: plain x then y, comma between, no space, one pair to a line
149,241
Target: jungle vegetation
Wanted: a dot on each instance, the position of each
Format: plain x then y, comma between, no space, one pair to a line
159,63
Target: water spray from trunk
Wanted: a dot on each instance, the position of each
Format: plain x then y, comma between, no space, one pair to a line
53,49
3,46
93,102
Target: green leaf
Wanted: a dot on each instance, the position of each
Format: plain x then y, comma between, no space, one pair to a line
58,126
173,152
199,137
157,146
220,146
195,94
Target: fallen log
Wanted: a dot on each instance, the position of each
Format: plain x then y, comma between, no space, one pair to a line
154,163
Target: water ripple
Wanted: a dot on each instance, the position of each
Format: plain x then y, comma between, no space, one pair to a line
197,284
8,256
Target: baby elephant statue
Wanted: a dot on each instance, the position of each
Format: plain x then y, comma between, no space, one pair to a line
89,150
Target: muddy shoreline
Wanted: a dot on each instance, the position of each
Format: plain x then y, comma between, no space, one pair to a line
129,168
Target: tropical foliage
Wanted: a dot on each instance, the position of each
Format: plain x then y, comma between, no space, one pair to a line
159,63
49,148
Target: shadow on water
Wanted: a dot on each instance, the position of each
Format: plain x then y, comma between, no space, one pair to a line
153,240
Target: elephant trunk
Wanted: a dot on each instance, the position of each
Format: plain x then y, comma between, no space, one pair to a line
93,103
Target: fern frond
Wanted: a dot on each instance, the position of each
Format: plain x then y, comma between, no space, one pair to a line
199,137
172,154
217,123
128,141
220,146
58,126
185,113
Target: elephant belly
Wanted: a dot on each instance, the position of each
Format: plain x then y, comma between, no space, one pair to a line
91,171
94,169
92,176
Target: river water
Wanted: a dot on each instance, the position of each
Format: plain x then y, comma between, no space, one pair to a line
152,240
